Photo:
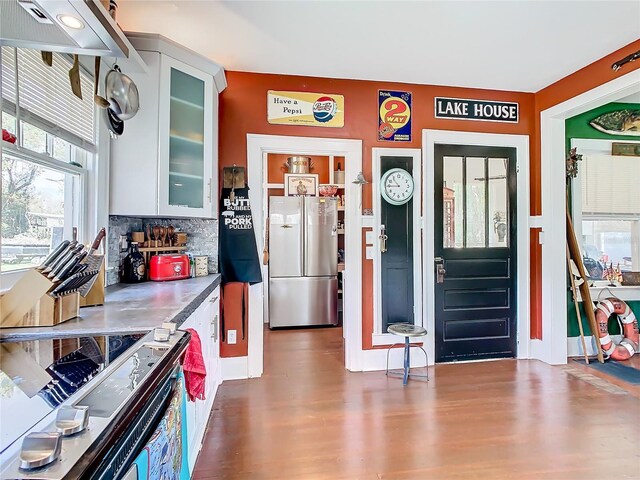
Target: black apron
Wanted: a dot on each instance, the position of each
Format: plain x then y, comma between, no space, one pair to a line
238,256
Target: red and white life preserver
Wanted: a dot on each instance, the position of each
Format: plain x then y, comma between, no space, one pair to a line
629,344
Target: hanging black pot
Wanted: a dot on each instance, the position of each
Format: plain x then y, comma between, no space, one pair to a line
116,126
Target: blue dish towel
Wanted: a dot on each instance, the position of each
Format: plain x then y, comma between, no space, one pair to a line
166,456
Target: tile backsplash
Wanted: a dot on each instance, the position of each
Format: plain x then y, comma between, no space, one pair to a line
202,239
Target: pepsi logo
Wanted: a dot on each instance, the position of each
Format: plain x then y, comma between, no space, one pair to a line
324,109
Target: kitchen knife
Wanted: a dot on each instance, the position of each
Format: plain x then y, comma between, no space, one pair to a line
68,284
78,269
64,273
73,283
96,242
60,258
53,255
63,286
63,263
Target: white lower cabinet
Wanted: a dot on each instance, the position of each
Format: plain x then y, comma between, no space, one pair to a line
206,321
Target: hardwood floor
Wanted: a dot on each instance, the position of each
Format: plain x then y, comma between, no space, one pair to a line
308,418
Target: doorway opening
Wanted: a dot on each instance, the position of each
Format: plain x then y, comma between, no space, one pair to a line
304,204
265,157
553,347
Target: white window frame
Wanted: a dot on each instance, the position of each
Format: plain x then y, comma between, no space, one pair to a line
92,207
585,147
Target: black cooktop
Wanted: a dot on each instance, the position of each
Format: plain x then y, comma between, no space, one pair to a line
46,372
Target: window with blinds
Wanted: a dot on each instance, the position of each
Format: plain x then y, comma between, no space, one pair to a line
610,212
44,97
610,185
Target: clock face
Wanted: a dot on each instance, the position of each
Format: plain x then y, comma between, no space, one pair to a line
397,186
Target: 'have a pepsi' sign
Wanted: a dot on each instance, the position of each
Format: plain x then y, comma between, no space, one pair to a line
482,110
305,108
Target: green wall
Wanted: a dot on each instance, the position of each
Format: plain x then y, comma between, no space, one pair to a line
578,127
614,329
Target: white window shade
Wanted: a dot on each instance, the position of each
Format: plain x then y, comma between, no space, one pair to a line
610,185
45,94
8,75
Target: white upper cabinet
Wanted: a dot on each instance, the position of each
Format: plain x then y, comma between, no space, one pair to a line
166,161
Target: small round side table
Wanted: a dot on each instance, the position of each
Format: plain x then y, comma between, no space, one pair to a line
407,331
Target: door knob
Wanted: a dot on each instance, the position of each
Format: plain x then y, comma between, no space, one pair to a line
440,270
383,239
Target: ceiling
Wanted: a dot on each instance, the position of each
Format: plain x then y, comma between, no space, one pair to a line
505,45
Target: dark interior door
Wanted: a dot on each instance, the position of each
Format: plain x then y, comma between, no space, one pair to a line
396,267
475,244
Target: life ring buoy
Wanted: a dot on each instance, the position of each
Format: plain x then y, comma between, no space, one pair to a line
629,344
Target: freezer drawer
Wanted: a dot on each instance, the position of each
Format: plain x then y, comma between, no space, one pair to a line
285,236
303,301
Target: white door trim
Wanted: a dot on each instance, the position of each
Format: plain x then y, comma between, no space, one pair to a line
257,147
380,337
521,143
553,346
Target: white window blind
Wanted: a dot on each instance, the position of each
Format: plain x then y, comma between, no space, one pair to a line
610,185
45,95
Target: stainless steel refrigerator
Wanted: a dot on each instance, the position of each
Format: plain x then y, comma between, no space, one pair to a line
303,261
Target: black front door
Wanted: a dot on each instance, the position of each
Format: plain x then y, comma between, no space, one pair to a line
396,267
475,252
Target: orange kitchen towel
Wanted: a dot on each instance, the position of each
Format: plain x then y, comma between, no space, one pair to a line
194,368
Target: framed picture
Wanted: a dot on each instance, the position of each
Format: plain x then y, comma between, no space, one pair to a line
301,184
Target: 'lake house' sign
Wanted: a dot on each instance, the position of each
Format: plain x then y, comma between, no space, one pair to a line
483,110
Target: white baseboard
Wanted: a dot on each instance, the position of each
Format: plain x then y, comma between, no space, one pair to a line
537,350
574,345
235,368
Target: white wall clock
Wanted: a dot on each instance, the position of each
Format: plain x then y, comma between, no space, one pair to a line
397,186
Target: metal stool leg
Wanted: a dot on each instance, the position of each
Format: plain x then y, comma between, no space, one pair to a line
407,360
388,352
426,357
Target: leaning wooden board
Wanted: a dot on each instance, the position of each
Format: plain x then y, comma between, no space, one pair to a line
576,256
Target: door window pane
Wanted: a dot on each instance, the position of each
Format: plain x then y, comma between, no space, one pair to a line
452,203
475,202
498,202
37,211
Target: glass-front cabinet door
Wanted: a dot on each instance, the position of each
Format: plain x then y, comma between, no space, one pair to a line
186,141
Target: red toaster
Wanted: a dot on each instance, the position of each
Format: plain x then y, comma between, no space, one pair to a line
169,267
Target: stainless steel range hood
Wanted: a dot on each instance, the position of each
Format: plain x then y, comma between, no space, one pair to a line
69,26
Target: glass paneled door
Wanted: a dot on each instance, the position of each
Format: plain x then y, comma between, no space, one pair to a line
186,158
475,250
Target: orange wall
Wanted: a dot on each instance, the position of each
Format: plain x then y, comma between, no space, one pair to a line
585,79
243,109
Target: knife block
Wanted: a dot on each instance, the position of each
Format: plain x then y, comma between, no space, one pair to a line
95,296
27,303
51,311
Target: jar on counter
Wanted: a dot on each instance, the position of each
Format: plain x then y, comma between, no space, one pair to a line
134,269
